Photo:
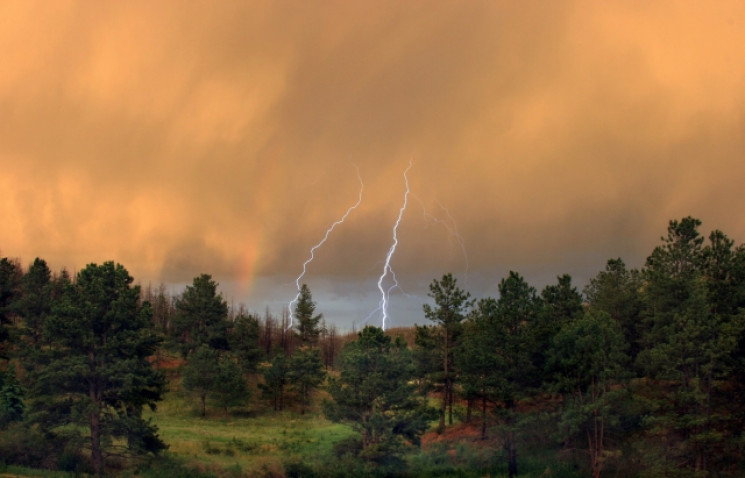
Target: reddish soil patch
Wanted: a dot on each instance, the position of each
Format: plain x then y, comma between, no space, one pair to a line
462,432
167,363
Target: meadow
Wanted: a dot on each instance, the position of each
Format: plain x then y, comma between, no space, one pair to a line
255,441
249,440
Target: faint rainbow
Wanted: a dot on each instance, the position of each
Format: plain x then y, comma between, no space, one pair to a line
261,203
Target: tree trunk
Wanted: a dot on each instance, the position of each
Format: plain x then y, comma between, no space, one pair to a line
450,402
445,382
511,456
96,454
595,444
304,399
483,416
203,399
94,419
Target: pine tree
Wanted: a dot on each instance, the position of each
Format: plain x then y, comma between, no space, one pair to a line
374,394
589,365
201,317
10,288
275,380
201,374
307,324
517,311
477,357
11,398
243,339
93,370
688,344
452,304
305,373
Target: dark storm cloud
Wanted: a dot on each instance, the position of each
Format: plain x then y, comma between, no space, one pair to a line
223,138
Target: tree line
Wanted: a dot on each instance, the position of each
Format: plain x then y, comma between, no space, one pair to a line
641,373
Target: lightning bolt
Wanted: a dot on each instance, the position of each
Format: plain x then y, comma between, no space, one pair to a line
320,243
453,228
384,294
450,225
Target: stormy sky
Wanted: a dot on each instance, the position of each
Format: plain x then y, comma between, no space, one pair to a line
181,138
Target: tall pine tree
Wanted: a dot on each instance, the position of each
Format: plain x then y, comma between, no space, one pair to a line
93,370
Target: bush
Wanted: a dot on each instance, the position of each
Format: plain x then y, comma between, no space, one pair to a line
298,469
167,467
351,447
25,446
74,462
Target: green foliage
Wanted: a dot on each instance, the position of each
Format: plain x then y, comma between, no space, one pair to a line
169,467
617,291
427,356
243,339
589,365
27,446
201,317
305,373
35,303
201,373
231,389
275,377
211,374
11,398
10,279
307,324
375,396
452,305
452,302
560,304
691,338
93,370
549,372
517,312
477,356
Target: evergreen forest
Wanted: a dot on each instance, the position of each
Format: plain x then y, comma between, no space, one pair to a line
641,373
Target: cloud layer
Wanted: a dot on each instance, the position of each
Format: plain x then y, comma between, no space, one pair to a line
181,138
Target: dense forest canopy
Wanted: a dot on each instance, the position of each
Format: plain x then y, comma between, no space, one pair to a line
642,373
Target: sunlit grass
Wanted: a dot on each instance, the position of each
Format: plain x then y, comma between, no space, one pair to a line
12,471
247,439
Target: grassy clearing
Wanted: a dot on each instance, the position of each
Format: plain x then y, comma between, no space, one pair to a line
245,440
20,471
254,441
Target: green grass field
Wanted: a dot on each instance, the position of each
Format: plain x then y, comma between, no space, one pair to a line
249,439
255,441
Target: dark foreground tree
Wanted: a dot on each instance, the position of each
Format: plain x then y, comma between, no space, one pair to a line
11,398
307,324
692,334
517,310
231,389
243,339
589,364
477,357
452,304
201,317
201,373
306,373
10,284
217,376
93,371
275,380
375,395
